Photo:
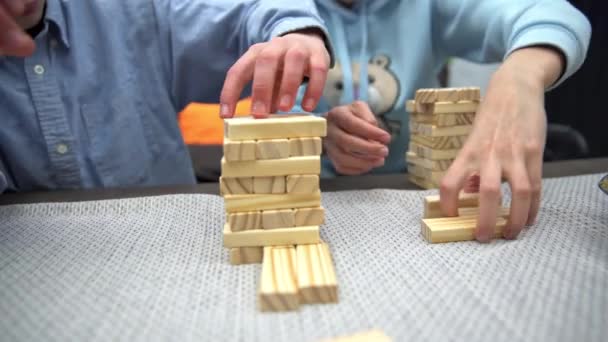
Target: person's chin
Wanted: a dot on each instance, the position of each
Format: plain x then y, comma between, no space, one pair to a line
33,15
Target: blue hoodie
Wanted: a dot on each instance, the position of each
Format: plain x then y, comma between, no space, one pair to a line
395,47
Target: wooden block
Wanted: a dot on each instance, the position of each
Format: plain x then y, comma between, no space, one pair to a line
246,255
440,143
368,336
442,120
236,186
272,237
274,219
236,203
278,284
272,149
428,174
432,95
437,131
503,212
422,182
269,185
239,150
316,276
432,206
432,154
272,167
309,216
434,165
245,220
299,147
452,229
301,184
442,107
275,127
426,95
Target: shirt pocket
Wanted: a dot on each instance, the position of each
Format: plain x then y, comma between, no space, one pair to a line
118,149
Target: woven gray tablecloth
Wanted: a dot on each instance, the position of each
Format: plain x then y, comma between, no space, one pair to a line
154,269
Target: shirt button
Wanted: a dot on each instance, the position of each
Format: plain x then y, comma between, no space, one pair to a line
39,69
62,148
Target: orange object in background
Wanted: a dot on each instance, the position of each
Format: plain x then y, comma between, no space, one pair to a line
201,124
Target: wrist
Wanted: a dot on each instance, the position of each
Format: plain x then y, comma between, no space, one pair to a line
540,66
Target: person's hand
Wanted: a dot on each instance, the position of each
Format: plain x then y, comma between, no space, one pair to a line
507,141
13,40
354,143
277,69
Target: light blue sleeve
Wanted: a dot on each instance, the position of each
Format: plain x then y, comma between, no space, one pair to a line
490,30
204,38
3,180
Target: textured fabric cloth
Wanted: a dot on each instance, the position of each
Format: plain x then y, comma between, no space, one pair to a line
155,269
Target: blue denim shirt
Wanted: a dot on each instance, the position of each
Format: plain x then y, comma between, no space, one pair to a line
97,103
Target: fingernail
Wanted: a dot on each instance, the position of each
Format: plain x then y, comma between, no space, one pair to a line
482,237
309,105
285,102
224,111
259,107
384,151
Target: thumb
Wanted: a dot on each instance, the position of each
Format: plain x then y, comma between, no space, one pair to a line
362,110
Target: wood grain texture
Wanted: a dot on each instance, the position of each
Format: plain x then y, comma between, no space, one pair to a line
432,206
432,95
428,174
442,120
367,336
275,127
273,237
236,203
245,220
272,149
299,147
272,167
269,185
439,131
310,216
503,212
301,184
440,143
453,229
239,150
278,284
422,182
442,107
275,219
434,165
246,255
432,154
316,275
236,186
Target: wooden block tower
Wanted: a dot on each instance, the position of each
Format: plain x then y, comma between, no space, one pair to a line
440,122
270,184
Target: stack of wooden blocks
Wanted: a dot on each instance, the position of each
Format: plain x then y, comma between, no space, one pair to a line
440,122
270,184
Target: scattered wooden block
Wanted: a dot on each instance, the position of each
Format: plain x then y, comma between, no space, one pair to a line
272,149
432,154
246,255
316,276
275,127
274,219
272,237
269,185
428,174
434,165
309,216
299,147
278,283
239,150
422,182
452,229
236,203
442,107
437,131
245,220
442,120
301,184
440,143
272,167
236,186
432,206
369,336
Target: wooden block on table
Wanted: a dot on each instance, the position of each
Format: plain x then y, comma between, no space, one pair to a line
422,182
432,154
269,185
439,131
434,165
368,336
246,255
428,174
245,220
239,150
278,284
316,276
272,149
442,120
274,219
442,107
272,167
503,212
236,203
271,237
236,186
301,184
452,229
299,147
310,216
275,127
440,143
432,206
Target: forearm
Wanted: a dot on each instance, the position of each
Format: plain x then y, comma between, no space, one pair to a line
541,65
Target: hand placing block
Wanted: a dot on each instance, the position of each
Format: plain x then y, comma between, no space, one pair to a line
278,283
315,273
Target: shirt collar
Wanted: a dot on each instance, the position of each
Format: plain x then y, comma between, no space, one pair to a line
55,15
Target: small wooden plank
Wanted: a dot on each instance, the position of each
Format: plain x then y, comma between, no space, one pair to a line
309,216
432,206
301,184
434,165
239,150
237,203
275,219
299,147
368,336
278,283
442,107
428,174
426,95
271,237
437,131
432,154
440,143
316,275
245,220
246,255
236,186
452,229
269,185
503,212
431,95
272,167
275,127
272,149
442,120
422,182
